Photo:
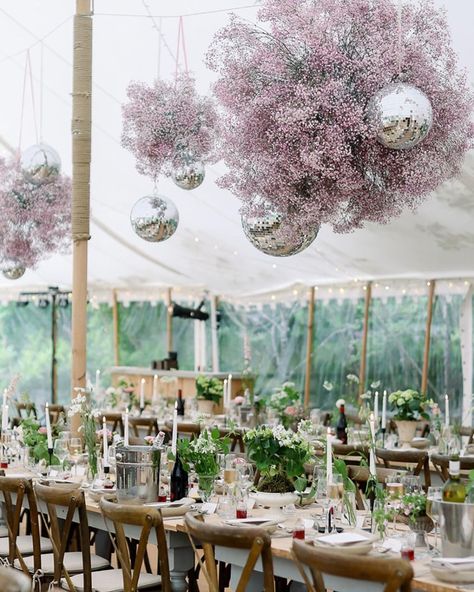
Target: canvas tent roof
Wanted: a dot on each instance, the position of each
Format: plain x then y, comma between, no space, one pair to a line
209,249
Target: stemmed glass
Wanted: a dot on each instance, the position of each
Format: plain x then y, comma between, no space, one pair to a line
245,475
75,452
433,497
60,450
322,498
395,488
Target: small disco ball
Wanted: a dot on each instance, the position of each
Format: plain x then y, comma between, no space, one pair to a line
13,271
272,233
154,218
188,172
402,115
40,164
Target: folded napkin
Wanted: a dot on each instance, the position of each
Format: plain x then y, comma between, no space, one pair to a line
343,538
459,563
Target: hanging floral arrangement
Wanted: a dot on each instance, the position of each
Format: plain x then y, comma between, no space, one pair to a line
36,218
298,130
167,118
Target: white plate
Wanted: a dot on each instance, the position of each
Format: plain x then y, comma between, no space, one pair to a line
260,521
454,576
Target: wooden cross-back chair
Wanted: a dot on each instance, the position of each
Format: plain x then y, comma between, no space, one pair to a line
62,563
360,476
114,422
236,438
351,453
256,540
186,429
149,519
467,431
415,461
25,410
55,411
441,465
23,551
145,424
393,574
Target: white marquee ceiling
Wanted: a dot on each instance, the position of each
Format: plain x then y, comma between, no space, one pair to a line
209,249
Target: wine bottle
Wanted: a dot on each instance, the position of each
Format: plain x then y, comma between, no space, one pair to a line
178,481
454,489
341,426
180,405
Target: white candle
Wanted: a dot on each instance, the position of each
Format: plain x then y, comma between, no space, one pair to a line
329,457
372,467
4,417
142,393
155,390
229,389
49,435
4,398
225,393
174,435
376,407
384,410
125,429
446,412
97,383
106,443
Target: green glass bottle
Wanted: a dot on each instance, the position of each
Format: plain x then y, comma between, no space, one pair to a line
454,489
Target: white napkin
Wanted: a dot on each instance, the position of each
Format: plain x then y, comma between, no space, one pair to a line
343,538
466,563
393,544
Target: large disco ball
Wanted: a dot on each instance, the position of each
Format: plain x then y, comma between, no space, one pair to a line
276,234
154,218
40,164
12,270
402,115
188,171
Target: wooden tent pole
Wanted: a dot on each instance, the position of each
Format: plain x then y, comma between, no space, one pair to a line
54,343
80,217
169,320
116,328
309,347
214,335
426,352
365,333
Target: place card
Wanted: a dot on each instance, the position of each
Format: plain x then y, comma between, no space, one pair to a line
53,473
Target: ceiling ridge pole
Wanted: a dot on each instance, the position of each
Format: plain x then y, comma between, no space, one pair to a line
80,215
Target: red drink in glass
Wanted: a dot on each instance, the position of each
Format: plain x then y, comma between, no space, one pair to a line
162,498
241,513
298,533
408,553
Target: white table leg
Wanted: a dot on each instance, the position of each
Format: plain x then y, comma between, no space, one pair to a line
181,560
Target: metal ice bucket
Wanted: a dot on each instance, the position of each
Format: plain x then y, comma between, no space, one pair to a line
138,474
457,529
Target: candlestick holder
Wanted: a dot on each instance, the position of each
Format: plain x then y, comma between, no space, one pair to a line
50,453
142,409
383,430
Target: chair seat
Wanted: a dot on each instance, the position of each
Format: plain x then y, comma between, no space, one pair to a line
72,563
25,545
111,580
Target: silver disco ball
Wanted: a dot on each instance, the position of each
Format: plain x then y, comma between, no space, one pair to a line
154,218
275,234
188,171
402,115
12,271
40,164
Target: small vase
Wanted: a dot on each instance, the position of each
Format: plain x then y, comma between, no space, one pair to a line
406,432
205,406
206,486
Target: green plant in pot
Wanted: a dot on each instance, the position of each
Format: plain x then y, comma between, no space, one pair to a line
209,390
285,403
409,406
280,456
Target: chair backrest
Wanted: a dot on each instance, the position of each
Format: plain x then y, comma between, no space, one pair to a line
417,461
467,431
148,424
256,540
441,464
394,574
351,453
71,498
148,519
55,411
114,422
186,429
360,476
26,409
23,491
236,438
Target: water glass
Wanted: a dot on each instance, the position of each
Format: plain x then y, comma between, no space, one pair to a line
433,497
226,507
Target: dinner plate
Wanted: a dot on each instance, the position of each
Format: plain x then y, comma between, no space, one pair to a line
453,576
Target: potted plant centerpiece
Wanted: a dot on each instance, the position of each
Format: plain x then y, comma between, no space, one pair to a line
209,390
279,455
285,404
409,408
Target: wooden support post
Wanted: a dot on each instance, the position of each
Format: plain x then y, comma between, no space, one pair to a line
214,335
54,342
80,216
426,352
309,347
116,328
169,320
365,333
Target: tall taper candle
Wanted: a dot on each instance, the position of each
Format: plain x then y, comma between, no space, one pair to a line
4,398
106,443
329,457
446,411
4,417
384,411
155,390
174,435
229,389
142,393
376,407
49,435
372,467
97,383
224,394
125,429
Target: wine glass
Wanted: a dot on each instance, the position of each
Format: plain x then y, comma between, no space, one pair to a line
75,451
433,497
322,498
245,475
60,450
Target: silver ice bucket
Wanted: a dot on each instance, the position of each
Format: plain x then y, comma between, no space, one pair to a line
456,523
138,474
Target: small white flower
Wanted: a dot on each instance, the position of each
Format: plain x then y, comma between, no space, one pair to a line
376,384
340,402
353,378
328,385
